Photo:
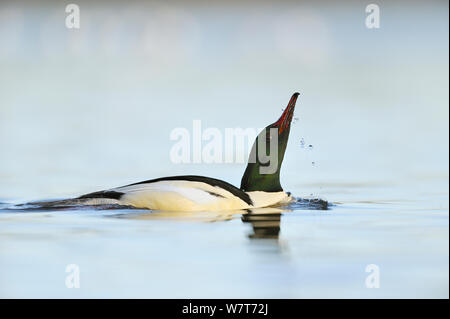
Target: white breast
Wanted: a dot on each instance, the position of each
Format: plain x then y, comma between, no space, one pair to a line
266,199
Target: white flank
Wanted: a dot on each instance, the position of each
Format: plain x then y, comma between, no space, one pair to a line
180,195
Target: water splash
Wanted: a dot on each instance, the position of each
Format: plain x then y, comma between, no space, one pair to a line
310,203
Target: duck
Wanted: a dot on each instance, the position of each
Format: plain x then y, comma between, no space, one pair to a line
260,184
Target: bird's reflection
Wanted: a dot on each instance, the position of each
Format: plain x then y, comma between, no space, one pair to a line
265,222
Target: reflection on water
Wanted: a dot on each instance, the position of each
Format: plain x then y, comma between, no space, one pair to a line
265,224
264,221
301,250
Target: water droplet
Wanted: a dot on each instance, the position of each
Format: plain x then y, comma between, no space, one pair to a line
313,163
310,147
302,143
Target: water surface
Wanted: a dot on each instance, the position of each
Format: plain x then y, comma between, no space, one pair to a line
293,252
92,109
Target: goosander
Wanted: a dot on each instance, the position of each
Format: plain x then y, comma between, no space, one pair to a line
199,193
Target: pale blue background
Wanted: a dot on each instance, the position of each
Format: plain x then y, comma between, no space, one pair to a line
88,109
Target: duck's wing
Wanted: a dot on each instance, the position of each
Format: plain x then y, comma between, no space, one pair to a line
177,193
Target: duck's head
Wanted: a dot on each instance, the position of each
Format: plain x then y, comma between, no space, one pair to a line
263,169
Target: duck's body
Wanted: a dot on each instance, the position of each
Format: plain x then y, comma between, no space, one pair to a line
260,185
185,193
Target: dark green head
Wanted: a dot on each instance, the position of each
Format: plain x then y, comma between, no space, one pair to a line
263,169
